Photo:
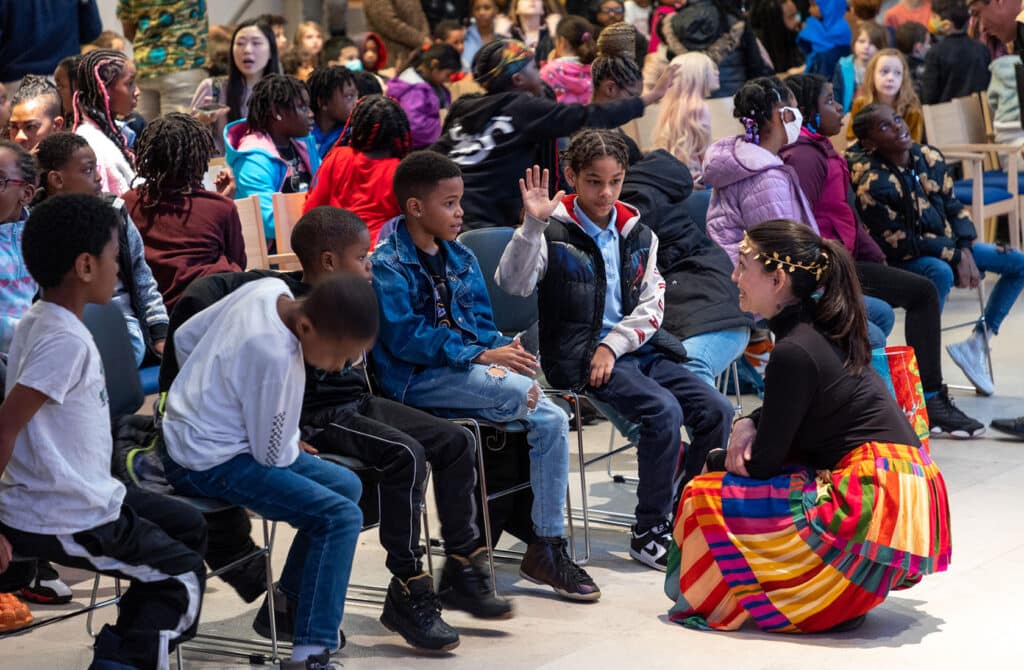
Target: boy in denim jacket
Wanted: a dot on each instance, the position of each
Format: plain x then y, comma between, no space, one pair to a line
440,350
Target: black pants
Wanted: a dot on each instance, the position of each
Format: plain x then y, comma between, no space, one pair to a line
157,544
917,296
397,441
662,395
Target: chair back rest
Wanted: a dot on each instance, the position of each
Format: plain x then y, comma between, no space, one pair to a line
697,207
945,123
512,314
723,124
252,232
287,212
124,388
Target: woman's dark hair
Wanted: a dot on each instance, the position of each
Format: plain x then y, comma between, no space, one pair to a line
50,246
590,144
581,36
864,120
236,81
324,81
823,278
757,98
271,94
173,155
446,55
807,88
616,59
377,123
779,41
24,160
96,74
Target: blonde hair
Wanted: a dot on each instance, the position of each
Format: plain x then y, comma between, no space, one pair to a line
682,119
906,99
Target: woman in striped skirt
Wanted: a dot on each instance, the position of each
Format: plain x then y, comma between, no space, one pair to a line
825,499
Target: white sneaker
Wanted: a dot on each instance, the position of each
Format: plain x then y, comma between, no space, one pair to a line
970,356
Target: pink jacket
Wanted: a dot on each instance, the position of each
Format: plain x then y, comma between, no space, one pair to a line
570,80
751,185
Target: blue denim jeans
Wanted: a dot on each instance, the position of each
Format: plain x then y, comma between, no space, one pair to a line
881,319
1007,263
709,354
495,394
319,499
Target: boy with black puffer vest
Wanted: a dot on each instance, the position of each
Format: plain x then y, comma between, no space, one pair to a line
62,504
601,310
440,351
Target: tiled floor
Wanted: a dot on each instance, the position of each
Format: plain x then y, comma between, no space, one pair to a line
955,620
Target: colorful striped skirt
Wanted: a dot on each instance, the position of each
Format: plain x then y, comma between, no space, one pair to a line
805,551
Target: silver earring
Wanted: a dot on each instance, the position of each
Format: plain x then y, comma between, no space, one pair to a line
277,116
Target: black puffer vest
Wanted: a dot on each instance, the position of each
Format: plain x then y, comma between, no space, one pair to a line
572,293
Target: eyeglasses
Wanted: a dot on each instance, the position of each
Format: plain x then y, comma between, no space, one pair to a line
4,181
612,10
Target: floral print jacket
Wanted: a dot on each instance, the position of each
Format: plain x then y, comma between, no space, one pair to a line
911,212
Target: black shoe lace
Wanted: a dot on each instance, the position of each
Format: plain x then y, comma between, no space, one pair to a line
571,572
426,606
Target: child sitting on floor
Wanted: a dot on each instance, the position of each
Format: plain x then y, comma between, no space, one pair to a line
440,351
231,430
62,504
67,164
601,308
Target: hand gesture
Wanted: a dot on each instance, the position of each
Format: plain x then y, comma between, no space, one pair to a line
739,450
511,356
225,183
967,273
666,80
534,189
601,366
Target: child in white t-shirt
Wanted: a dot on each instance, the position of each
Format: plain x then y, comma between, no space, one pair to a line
58,500
231,430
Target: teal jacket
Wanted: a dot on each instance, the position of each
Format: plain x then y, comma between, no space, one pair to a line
844,82
259,168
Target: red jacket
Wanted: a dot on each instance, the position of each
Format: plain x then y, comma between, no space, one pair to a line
352,180
825,181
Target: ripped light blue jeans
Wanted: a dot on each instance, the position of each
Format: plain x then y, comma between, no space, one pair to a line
495,394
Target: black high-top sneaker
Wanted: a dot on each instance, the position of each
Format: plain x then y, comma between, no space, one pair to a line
547,562
413,610
466,586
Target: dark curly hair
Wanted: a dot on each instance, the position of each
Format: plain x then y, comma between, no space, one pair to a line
50,246
324,229
377,123
274,92
757,98
590,144
26,164
53,153
807,88
173,155
324,81
96,74
419,172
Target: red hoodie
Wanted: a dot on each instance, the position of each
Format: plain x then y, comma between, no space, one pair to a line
352,180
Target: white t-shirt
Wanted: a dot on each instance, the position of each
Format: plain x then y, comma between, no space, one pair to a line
58,480
241,382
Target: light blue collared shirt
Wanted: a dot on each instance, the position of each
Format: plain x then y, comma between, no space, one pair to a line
608,242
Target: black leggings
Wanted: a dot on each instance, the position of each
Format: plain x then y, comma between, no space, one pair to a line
916,295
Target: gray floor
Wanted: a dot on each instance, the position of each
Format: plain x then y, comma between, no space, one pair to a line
949,621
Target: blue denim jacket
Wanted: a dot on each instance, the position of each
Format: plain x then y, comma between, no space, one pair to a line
409,340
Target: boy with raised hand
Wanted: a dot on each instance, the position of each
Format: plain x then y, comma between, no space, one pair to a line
61,504
440,350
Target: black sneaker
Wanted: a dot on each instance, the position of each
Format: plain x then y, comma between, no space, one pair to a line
946,418
547,562
651,546
314,662
413,610
1013,427
47,587
466,586
284,619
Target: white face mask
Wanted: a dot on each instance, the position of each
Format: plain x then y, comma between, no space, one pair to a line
792,127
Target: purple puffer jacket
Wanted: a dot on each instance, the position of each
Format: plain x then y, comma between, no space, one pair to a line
421,104
751,185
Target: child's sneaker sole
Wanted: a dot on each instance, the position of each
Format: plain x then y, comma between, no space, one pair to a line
579,597
422,650
646,559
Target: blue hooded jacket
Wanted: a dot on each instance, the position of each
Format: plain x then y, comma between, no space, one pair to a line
827,39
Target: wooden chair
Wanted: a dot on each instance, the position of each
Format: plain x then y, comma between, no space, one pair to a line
287,211
252,232
958,129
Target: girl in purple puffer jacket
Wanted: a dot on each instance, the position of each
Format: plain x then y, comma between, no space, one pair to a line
420,90
751,183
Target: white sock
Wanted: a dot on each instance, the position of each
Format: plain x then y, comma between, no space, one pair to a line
301,652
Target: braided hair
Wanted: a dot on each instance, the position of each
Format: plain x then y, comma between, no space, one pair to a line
274,92
616,57
754,102
377,123
173,154
70,67
591,144
33,87
324,81
96,74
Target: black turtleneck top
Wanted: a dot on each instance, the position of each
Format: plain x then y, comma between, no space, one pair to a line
815,410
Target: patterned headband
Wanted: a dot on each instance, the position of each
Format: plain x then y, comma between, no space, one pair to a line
816,268
514,57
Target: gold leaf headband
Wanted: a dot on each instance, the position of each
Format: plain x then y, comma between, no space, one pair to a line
816,268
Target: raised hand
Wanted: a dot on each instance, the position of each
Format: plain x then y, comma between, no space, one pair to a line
534,189
661,87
